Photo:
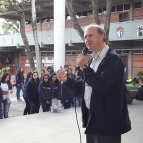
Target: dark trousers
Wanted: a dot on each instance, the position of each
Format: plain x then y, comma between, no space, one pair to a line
93,138
18,88
34,107
4,109
27,108
45,107
67,105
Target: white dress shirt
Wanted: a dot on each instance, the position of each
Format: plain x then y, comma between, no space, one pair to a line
94,65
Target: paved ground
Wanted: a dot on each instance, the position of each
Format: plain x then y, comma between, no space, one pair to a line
58,127
16,108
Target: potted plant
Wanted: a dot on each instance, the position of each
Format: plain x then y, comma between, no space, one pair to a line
134,85
7,68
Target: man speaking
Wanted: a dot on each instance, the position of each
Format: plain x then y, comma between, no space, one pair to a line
104,103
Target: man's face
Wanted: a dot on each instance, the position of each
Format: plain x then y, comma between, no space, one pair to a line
92,38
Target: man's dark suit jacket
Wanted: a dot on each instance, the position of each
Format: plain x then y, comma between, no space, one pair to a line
108,113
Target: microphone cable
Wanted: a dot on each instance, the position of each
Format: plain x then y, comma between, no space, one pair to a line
76,112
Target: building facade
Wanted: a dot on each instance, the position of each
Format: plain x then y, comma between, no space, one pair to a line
125,37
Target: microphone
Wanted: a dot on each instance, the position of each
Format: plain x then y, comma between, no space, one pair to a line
85,51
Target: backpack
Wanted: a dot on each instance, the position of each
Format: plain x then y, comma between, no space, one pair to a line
139,95
13,81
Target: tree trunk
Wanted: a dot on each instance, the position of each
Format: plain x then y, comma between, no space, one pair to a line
25,41
76,25
107,18
95,7
34,27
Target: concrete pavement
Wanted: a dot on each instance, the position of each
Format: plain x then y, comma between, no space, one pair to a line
58,127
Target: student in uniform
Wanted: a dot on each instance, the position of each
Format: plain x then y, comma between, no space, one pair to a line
55,86
45,93
27,108
67,96
32,93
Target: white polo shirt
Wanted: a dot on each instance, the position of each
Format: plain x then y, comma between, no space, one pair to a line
97,58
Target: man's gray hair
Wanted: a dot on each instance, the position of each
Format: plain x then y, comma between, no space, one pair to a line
100,30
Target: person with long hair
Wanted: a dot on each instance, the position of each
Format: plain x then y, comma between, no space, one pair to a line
45,93
6,90
27,108
19,82
32,93
55,86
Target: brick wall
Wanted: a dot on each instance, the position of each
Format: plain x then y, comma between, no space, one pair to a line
138,13
70,60
87,20
137,64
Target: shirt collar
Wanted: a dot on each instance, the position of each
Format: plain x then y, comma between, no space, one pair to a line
101,54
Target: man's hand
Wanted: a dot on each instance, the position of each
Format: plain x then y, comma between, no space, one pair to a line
47,102
61,75
81,60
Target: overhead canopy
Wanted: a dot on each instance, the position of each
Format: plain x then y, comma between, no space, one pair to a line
45,8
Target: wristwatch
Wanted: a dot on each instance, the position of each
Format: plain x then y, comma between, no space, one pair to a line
85,66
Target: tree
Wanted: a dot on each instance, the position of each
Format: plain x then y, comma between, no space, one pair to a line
107,19
10,26
18,6
72,14
34,27
95,7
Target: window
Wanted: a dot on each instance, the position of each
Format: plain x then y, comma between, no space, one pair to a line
119,52
79,52
89,12
51,53
73,53
79,14
84,13
123,17
47,19
119,7
68,53
126,51
113,9
126,6
100,10
28,22
52,18
38,20
136,51
104,9
138,5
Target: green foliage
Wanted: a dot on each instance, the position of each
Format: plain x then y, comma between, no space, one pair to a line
132,87
13,5
10,27
7,68
139,75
